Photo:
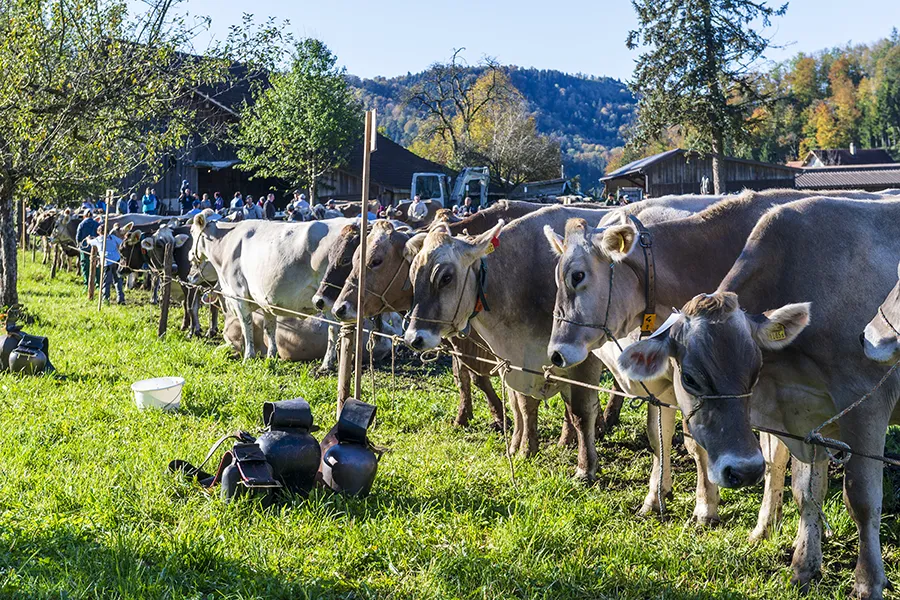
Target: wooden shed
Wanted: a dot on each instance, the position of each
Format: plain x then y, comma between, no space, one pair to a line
681,171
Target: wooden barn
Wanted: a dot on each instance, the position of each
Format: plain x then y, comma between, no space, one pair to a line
683,172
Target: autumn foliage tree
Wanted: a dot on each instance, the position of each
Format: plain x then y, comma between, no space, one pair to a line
89,94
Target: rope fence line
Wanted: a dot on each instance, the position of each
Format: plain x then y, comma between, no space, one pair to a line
814,438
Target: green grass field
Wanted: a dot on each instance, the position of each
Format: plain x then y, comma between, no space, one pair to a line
88,509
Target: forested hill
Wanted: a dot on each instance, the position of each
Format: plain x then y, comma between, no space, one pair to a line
586,114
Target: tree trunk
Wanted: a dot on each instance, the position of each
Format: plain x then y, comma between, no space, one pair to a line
718,164
8,267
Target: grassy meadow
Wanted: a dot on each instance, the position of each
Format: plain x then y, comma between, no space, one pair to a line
88,509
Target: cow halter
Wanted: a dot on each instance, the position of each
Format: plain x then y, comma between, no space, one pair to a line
888,322
480,301
648,319
381,295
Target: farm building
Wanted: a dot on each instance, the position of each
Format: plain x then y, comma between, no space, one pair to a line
211,168
846,157
683,172
871,178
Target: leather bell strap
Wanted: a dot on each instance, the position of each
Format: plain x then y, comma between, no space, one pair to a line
648,320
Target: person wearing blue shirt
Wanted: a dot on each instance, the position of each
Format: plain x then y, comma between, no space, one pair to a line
87,228
149,204
112,258
133,205
122,206
195,210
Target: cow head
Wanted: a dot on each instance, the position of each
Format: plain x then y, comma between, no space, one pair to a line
340,262
587,257
200,227
443,270
60,232
881,338
387,275
154,246
716,349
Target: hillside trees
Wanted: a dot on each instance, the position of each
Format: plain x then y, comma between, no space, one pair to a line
302,125
89,94
483,120
699,55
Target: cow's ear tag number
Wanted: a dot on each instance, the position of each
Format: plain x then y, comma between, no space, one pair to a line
495,241
649,323
776,334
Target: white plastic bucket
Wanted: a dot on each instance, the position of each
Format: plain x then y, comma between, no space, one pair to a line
160,392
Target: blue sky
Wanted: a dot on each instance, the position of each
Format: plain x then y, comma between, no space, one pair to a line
392,37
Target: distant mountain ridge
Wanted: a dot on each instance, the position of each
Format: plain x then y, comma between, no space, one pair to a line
587,114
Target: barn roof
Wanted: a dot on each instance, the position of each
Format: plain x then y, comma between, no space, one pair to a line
392,165
640,166
843,156
850,177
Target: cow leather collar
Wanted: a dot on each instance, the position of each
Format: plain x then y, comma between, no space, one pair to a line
645,239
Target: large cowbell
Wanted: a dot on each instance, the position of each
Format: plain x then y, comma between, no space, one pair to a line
24,353
348,462
288,446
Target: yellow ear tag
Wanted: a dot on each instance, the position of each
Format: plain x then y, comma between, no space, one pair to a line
776,334
492,246
621,245
649,323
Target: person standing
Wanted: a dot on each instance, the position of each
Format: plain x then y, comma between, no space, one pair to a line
149,204
133,204
418,210
218,201
86,229
122,206
252,209
467,210
185,200
195,209
112,258
269,207
301,204
237,203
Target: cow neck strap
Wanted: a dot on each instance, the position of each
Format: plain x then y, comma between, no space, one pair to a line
887,321
481,303
645,239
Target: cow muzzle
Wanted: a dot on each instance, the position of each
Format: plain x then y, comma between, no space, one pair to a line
421,339
732,471
877,347
344,311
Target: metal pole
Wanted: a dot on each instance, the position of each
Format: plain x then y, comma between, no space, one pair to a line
166,292
364,221
103,259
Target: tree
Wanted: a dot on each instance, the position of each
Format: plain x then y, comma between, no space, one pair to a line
304,124
89,94
699,60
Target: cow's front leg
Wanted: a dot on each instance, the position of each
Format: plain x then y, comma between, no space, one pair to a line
186,318
495,404
770,511
245,316
463,379
213,320
518,421
568,436
651,502
528,445
584,408
329,362
808,483
270,322
863,489
706,507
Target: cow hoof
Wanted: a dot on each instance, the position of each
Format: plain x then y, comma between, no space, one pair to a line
759,534
584,478
803,578
870,591
707,521
497,426
462,422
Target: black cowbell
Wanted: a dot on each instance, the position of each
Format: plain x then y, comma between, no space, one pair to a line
349,464
288,446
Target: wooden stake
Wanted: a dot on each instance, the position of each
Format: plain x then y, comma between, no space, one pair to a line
345,365
92,273
103,259
166,292
363,226
55,261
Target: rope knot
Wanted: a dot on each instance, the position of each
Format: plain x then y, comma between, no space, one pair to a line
501,368
843,454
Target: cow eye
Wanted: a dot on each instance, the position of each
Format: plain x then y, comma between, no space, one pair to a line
577,277
445,280
376,262
345,261
688,380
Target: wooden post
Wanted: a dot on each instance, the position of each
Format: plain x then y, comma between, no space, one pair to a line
92,273
55,261
24,212
103,259
166,292
346,343
363,226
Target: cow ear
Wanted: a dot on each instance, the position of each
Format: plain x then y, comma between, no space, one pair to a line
128,227
180,239
776,329
557,243
483,244
616,241
413,246
648,359
200,221
147,244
